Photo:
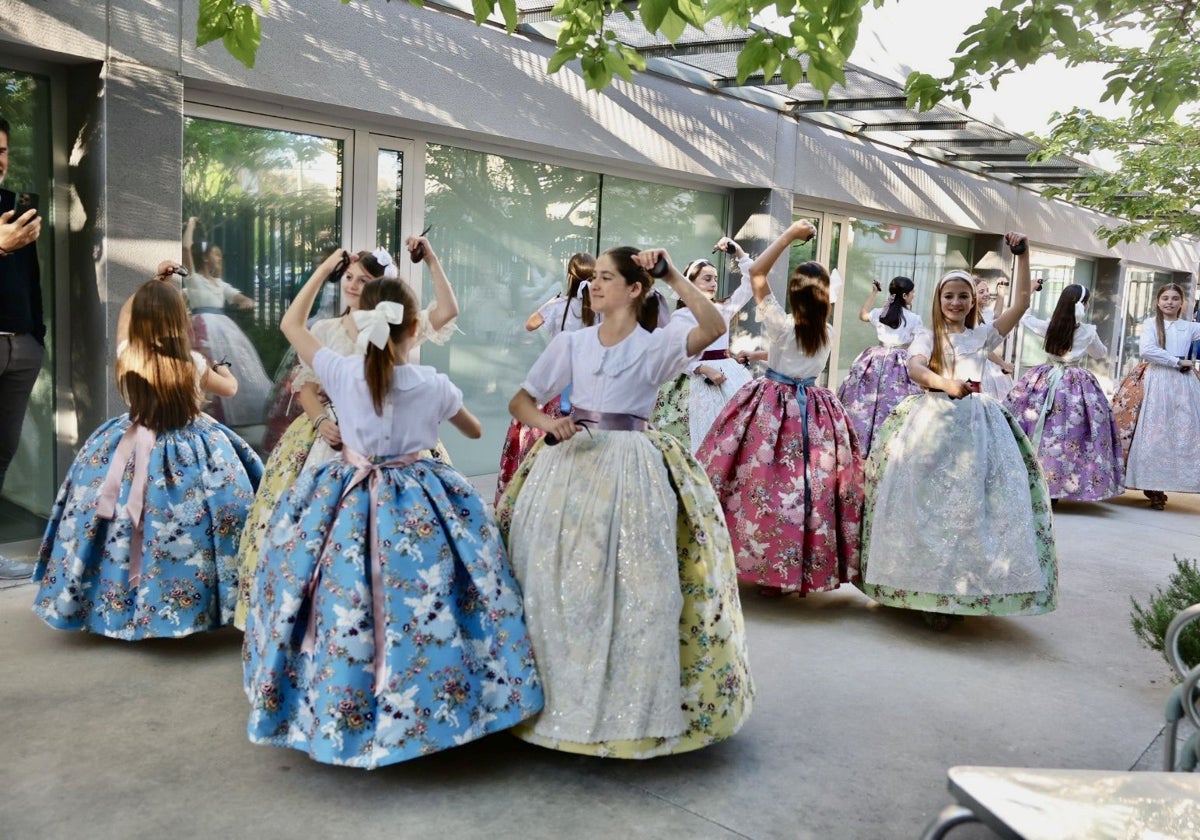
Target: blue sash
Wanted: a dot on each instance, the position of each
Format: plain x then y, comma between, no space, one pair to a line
802,386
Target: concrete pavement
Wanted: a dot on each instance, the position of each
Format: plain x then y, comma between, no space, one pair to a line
860,710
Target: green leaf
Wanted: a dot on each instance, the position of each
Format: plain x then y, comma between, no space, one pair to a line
508,10
213,21
558,59
615,63
673,26
482,9
244,35
653,12
751,58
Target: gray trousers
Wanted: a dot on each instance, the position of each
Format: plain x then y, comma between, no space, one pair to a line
20,363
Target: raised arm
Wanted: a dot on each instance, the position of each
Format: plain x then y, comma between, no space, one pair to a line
189,236
802,230
447,304
710,323
294,322
864,314
1007,320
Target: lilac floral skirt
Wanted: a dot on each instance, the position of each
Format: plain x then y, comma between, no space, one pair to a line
1067,418
877,383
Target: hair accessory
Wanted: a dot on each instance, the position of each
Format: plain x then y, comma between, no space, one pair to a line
956,274
664,313
584,285
374,325
835,285
695,265
1080,310
390,272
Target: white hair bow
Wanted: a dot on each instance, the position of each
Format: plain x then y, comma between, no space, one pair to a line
835,285
375,325
390,272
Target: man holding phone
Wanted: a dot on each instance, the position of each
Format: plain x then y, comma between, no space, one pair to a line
22,329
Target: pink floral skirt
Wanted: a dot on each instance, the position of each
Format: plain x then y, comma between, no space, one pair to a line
517,443
793,512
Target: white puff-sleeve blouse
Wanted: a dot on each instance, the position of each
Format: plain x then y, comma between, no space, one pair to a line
622,379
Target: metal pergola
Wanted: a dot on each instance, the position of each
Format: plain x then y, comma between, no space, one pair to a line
867,105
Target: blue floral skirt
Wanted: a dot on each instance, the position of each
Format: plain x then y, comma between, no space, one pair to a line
457,662
200,482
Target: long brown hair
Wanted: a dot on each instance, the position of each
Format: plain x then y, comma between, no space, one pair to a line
937,359
155,373
1158,318
379,362
647,313
1060,332
580,270
808,294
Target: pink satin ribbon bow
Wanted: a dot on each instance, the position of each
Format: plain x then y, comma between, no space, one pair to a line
138,441
364,470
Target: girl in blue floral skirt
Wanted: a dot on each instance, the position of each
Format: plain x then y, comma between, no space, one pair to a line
142,540
384,622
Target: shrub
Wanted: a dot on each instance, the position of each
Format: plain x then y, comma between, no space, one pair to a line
1150,622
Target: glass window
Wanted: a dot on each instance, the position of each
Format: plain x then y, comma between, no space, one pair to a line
511,226
685,222
266,204
881,251
508,226
1140,284
1056,271
30,483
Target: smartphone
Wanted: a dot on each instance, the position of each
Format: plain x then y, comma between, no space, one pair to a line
26,201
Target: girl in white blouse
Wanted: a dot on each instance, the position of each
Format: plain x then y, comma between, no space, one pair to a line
957,517
142,540
558,315
384,620
1157,406
687,405
1061,408
617,539
878,380
781,455
315,436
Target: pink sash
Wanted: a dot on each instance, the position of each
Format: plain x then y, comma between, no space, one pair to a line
138,441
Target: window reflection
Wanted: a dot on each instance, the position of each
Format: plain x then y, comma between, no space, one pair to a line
266,205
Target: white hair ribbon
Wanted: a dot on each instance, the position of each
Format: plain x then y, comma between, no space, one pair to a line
584,285
375,325
390,272
835,285
956,274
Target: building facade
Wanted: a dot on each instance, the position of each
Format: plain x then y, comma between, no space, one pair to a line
363,125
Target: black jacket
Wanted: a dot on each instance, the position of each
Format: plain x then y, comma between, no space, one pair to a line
20,286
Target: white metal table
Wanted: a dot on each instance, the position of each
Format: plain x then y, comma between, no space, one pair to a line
1037,804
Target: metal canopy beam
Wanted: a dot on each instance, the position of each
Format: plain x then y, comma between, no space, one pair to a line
716,45
1048,179
877,103
725,82
986,156
1034,169
917,125
963,142
544,13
